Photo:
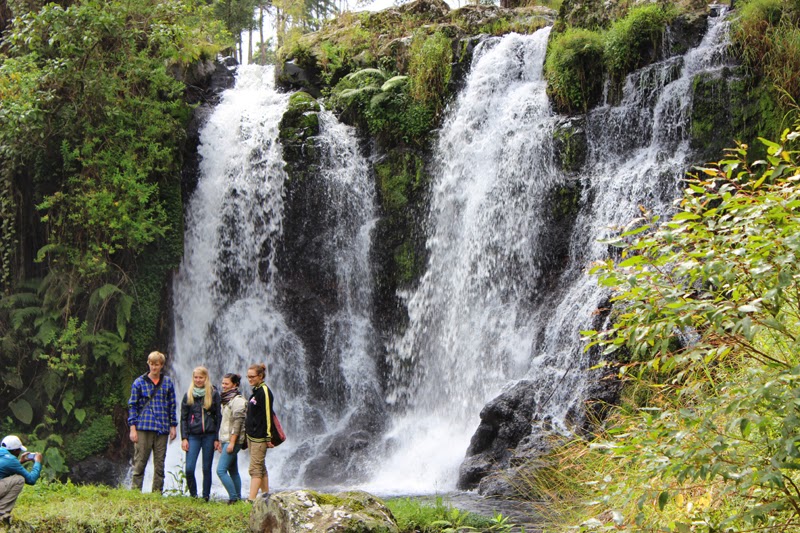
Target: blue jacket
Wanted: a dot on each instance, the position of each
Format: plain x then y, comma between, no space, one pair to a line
10,465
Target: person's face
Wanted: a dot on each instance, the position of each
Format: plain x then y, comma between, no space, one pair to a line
155,366
199,380
227,384
253,377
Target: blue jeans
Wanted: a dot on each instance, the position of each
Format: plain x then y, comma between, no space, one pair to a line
203,442
228,471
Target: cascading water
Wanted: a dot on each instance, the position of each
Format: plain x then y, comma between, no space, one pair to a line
506,294
227,305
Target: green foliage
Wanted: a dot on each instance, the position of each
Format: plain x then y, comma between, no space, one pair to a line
574,69
724,271
237,15
93,440
92,124
383,104
635,40
429,69
415,515
766,36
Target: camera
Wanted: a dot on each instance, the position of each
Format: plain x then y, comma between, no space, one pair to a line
30,456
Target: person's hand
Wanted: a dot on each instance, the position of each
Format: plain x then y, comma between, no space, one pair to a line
217,446
270,445
172,433
134,436
185,445
230,447
38,458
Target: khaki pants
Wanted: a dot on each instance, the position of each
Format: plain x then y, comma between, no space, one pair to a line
149,441
10,487
258,453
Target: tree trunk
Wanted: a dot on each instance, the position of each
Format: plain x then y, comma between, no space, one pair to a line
250,45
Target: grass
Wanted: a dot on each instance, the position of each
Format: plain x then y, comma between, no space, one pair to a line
612,481
56,507
53,506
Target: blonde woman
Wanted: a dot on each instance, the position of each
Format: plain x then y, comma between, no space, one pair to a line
200,420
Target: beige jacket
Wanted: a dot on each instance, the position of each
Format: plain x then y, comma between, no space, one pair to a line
233,414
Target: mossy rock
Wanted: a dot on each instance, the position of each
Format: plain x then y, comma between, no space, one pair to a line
574,70
303,511
570,145
297,128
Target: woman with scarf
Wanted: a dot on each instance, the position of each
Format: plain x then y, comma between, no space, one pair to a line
200,420
231,434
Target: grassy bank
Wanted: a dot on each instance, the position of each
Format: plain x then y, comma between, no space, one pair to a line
57,507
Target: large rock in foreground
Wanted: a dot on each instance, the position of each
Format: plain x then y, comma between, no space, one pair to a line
308,511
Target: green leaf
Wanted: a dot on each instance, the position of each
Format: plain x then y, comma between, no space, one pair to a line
632,261
80,415
394,82
68,401
22,410
663,498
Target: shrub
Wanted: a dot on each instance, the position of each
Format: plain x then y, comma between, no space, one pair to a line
723,274
92,440
429,69
767,38
574,70
635,40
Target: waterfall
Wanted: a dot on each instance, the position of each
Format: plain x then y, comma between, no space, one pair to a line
506,293
228,310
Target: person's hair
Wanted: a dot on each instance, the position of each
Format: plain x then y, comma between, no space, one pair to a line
156,356
236,379
209,399
259,368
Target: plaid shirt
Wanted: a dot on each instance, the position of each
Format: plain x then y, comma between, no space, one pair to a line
158,415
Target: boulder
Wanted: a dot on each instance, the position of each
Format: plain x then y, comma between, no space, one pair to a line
98,471
308,511
505,421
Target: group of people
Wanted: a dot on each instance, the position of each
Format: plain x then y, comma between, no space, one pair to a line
210,419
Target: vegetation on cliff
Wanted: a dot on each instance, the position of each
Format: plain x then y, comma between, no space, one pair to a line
92,124
705,331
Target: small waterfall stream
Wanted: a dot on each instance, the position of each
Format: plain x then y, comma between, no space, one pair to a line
505,293
228,311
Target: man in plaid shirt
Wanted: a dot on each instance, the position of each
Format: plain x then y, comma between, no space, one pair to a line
151,417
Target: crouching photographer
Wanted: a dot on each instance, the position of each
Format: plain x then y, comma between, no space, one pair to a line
13,475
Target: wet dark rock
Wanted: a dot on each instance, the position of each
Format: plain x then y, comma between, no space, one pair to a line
505,421
98,471
299,74
345,454
686,32
569,144
204,90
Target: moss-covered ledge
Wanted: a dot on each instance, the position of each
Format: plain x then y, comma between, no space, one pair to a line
298,126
